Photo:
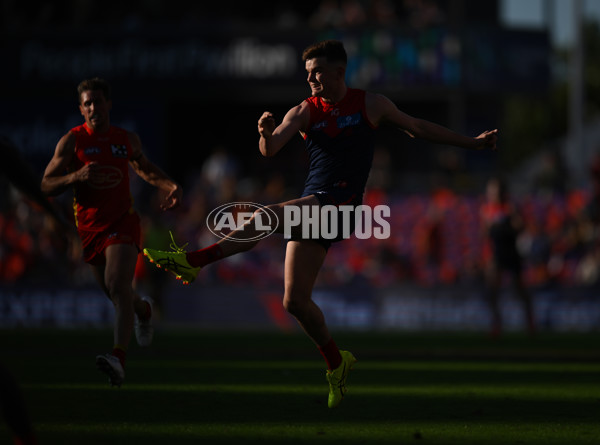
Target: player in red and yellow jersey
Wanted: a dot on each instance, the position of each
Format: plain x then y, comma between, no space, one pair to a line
93,159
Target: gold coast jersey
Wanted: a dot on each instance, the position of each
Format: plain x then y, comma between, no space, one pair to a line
105,199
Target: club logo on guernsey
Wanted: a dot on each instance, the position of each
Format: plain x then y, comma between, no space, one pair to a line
119,150
228,220
319,125
106,177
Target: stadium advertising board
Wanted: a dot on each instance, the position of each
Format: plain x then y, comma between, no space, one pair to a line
388,59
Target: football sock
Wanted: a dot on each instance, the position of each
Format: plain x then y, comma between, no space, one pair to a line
147,311
331,354
26,439
121,353
202,257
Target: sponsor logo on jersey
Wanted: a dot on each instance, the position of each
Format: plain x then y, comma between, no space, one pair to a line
92,151
348,121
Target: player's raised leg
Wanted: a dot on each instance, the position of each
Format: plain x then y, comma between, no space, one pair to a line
186,265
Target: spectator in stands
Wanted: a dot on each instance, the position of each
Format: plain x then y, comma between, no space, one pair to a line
551,178
588,270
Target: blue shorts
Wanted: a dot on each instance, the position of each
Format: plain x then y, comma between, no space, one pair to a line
336,197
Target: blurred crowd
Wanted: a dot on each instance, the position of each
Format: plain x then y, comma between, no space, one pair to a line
436,237
136,15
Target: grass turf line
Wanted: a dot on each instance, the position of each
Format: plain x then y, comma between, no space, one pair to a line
195,387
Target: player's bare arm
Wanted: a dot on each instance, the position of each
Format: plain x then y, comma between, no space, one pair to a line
272,138
153,175
56,177
383,110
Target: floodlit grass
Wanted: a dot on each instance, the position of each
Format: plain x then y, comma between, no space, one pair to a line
206,387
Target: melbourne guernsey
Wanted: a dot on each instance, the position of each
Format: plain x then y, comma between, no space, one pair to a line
340,141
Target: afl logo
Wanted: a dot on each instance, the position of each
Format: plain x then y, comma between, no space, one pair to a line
229,218
106,177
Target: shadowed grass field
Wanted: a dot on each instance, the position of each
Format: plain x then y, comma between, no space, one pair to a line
209,387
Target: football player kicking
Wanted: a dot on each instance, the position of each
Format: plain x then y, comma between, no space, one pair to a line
338,125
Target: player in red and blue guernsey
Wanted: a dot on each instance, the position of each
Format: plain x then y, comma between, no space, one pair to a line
338,125
94,159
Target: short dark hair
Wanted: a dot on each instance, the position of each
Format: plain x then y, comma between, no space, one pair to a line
94,84
332,50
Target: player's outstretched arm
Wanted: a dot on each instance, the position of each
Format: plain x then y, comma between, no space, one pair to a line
432,132
383,110
154,175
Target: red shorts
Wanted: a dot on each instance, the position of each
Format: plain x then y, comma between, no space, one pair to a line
124,231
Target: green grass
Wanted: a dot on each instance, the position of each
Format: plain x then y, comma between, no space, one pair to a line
207,387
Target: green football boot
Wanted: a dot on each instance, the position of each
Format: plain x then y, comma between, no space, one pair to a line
337,379
174,262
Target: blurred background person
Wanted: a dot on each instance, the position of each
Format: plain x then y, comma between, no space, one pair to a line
501,225
12,402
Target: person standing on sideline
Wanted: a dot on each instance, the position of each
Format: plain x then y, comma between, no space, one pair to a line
501,226
338,126
93,159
